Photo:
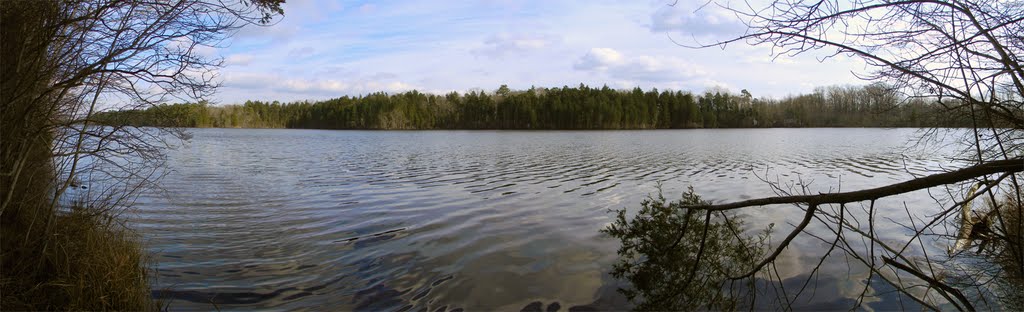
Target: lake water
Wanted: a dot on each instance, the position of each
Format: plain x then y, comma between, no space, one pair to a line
475,220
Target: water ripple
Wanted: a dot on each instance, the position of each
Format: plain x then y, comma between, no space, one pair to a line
450,220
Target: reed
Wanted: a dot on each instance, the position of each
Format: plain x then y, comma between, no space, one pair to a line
73,260
1009,251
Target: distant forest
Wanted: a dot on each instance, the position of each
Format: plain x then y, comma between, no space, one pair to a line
579,107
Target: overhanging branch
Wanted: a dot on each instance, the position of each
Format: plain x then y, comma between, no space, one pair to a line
998,166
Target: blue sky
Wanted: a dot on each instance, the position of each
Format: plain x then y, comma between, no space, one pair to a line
326,49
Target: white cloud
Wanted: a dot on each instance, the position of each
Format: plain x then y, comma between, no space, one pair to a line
238,59
319,52
276,34
301,52
769,59
503,44
248,80
642,68
317,88
599,59
696,19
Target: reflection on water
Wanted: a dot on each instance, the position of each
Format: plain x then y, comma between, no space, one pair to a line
679,259
474,220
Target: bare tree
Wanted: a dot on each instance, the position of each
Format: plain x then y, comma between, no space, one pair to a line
964,55
62,62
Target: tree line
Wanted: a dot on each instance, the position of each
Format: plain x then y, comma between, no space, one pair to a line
579,107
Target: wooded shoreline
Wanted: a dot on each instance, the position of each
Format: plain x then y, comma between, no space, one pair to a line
566,108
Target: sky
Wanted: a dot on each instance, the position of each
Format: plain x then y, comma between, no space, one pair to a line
326,49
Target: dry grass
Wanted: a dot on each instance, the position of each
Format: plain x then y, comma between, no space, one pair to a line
83,261
51,260
1010,256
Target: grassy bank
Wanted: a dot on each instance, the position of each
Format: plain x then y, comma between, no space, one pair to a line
82,260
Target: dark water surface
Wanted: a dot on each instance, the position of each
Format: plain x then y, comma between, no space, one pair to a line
475,220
